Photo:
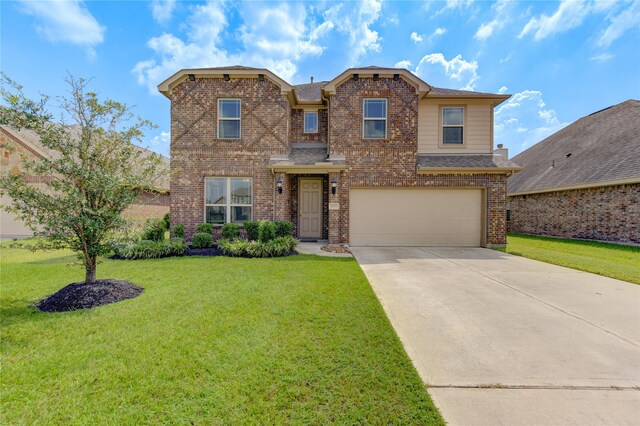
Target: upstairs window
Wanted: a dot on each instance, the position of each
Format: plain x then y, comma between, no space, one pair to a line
452,125
375,119
229,118
311,122
227,200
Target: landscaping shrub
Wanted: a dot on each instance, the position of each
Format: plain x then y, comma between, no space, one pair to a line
230,231
205,228
252,229
280,246
154,230
178,231
147,249
202,240
284,228
234,248
167,222
267,231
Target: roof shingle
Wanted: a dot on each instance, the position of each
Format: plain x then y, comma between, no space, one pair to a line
463,161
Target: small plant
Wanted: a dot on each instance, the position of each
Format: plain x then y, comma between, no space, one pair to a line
267,231
230,231
202,240
178,230
205,228
147,249
167,221
277,247
252,229
154,230
235,248
284,228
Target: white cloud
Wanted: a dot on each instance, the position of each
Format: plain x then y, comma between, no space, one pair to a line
354,20
438,32
403,64
503,89
275,47
66,21
570,14
502,9
524,119
602,57
162,139
415,37
626,20
162,10
436,70
458,4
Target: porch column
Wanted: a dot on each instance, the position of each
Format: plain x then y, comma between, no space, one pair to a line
282,209
334,209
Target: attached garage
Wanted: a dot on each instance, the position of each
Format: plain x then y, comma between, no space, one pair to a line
416,217
10,227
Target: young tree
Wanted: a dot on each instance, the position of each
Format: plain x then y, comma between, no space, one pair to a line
93,173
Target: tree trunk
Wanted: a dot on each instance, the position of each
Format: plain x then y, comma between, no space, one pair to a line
90,265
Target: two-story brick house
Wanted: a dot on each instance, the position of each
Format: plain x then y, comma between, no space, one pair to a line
375,156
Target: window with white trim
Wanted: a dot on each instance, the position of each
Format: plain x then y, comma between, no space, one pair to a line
374,124
227,200
311,122
229,119
452,125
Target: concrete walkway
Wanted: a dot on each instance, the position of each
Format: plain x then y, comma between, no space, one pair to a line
501,339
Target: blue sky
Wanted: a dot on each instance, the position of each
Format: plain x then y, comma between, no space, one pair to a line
560,60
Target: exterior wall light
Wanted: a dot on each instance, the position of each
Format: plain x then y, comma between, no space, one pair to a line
334,186
192,77
279,186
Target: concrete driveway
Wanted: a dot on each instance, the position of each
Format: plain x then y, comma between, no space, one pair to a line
501,339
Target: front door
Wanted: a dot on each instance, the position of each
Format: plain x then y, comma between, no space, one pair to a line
310,208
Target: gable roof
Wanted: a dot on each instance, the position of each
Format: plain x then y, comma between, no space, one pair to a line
421,86
236,70
309,92
600,149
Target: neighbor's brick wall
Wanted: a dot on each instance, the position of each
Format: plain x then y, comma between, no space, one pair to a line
391,163
297,133
196,152
610,213
148,205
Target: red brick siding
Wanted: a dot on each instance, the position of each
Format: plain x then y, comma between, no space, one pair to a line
148,205
610,213
297,133
391,163
196,152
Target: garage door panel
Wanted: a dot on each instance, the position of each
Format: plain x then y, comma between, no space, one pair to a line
415,217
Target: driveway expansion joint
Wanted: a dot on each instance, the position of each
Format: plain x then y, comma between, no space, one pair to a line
536,387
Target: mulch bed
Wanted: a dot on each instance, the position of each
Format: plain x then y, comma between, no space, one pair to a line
211,251
84,296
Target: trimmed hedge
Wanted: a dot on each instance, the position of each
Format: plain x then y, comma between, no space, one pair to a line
252,229
147,249
267,231
178,231
202,240
284,228
204,228
281,246
230,231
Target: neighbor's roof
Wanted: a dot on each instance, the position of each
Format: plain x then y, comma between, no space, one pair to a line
462,162
600,149
31,141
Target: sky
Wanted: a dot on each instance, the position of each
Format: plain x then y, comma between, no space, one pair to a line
560,60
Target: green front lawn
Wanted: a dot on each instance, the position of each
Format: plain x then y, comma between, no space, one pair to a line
611,260
293,340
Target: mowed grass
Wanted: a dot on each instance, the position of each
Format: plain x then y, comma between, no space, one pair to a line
297,340
610,260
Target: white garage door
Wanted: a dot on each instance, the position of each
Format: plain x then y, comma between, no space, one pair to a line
415,217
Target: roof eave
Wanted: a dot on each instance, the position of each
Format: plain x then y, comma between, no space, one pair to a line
426,170
599,184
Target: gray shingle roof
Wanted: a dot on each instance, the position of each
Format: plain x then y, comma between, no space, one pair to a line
472,161
309,91
602,146
439,91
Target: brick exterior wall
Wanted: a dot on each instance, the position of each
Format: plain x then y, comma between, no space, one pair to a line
196,152
391,162
610,213
297,133
147,205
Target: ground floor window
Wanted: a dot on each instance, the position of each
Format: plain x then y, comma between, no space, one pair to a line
228,200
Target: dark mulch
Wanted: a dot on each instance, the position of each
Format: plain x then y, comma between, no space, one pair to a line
211,251
83,296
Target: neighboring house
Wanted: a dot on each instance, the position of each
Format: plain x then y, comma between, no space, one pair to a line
375,156
583,181
18,144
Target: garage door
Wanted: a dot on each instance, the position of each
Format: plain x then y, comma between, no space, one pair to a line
415,217
10,227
